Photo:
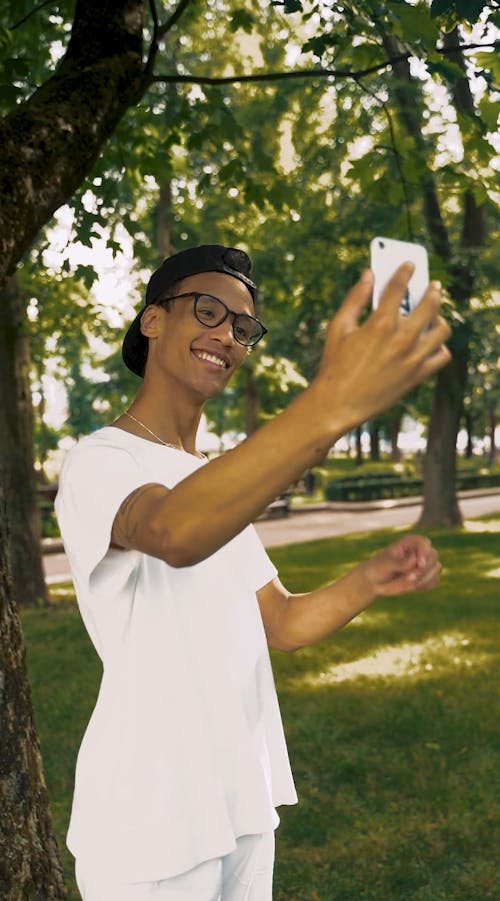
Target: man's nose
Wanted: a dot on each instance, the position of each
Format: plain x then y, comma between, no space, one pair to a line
224,331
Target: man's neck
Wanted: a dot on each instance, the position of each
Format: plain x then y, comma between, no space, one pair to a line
172,420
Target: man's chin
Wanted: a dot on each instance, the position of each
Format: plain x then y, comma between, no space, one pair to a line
208,390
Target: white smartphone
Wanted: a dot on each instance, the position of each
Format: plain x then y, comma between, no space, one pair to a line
386,254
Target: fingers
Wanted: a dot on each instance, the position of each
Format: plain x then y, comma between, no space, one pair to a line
395,290
418,564
425,316
430,578
356,300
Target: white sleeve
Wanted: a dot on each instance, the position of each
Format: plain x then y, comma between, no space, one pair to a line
260,569
94,481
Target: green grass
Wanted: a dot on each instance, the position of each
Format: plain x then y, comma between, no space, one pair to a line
395,760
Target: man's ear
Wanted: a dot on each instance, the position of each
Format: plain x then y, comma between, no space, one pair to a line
150,321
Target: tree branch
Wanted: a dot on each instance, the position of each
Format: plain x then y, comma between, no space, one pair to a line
159,31
474,219
163,29
307,73
32,12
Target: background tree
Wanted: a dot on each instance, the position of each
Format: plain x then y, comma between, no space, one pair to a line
404,160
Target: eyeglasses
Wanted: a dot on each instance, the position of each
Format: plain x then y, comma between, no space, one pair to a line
211,311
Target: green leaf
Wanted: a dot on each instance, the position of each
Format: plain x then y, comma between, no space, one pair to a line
319,43
9,95
5,38
489,113
441,8
470,10
16,68
489,61
416,24
86,274
243,19
458,10
289,6
450,72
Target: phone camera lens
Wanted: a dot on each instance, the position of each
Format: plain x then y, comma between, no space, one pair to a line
381,245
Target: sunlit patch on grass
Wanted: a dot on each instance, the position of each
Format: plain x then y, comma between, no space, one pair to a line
403,660
370,617
494,573
63,591
481,525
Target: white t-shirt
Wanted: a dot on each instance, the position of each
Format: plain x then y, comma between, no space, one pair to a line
185,749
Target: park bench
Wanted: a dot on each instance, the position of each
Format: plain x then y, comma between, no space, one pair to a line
278,507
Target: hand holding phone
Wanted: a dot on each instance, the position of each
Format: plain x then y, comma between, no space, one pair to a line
386,254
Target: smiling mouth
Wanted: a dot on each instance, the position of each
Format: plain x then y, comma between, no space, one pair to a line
211,358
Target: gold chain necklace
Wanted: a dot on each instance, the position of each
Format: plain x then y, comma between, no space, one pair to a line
144,426
165,443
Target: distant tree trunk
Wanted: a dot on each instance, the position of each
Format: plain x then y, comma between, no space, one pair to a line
440,506
30,867
251,402
469,425
491,431
163,217
18,439
359,448
374,429
41,452
395,419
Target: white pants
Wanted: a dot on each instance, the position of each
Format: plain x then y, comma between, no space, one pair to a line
244,875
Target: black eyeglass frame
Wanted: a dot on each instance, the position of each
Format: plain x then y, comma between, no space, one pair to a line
197,294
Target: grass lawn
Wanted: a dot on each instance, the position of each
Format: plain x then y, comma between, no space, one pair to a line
393,729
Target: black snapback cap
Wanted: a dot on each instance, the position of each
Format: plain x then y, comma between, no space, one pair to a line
206,258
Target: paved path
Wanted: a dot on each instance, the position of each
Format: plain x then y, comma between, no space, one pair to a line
366,518
323,523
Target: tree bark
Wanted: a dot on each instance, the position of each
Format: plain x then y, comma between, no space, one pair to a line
374,430
440,504
163,217
30,866
395,419
251,402
18,449
492,424
359,446
469,427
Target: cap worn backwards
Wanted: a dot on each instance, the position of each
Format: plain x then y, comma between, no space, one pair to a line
206,258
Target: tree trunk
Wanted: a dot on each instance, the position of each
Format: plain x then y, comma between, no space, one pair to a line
440,506
18,451
469,426
30,867
491,429
41,453
359,448
251,402
374,430
163,217
394,420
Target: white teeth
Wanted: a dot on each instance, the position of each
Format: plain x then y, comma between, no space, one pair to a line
212,359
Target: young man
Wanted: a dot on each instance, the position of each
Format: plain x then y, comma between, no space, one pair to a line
184,761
